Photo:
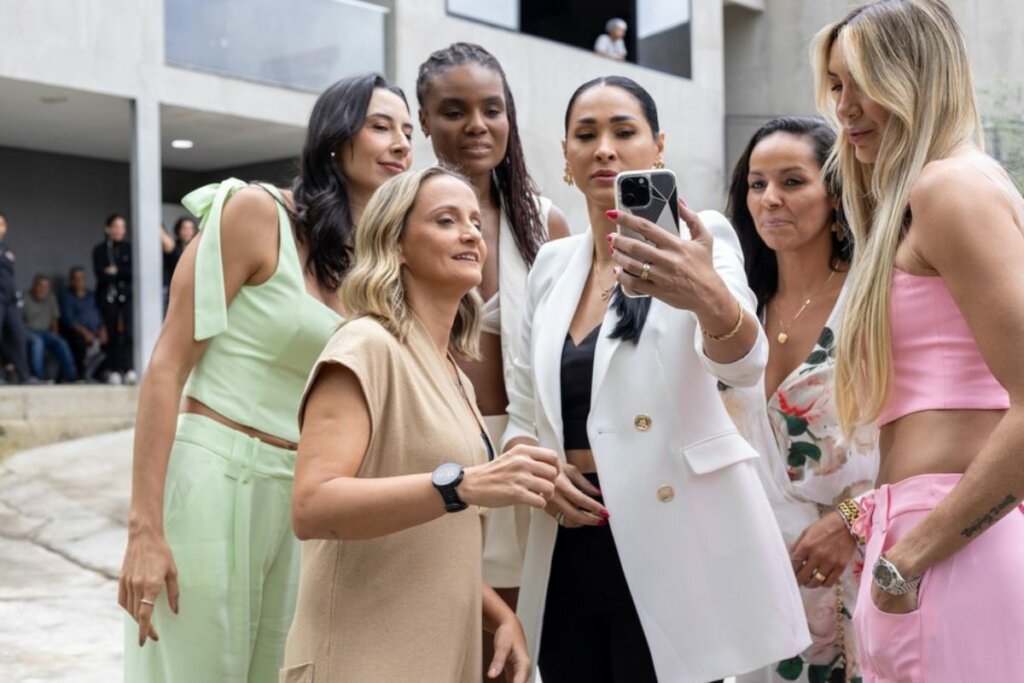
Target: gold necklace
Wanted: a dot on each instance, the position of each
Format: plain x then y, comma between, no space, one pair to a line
784,335
605,291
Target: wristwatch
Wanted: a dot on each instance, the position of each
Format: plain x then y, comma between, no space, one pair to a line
445,478
888,578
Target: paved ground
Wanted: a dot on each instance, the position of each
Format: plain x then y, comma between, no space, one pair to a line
62,532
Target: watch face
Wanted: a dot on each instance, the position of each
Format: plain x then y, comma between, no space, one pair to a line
883,575
446,474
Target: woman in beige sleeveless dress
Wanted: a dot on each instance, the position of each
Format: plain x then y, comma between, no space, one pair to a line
393,476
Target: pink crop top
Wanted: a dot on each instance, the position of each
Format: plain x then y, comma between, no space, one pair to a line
936,364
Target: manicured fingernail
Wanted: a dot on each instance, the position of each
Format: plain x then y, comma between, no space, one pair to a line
616,270
683,202
609,238
604,513
603,522
611,250
612,213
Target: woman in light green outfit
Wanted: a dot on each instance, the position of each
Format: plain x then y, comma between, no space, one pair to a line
211,567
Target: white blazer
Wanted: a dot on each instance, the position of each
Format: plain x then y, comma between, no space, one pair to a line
699,545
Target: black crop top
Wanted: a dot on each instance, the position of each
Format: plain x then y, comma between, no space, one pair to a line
576,378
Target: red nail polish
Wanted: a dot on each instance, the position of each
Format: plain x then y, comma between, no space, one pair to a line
604,513
611,213
608,238
603,522
598,491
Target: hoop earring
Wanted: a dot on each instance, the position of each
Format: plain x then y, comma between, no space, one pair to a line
567,176
659,163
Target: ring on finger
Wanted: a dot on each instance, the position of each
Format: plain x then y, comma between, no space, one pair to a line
818,576
560,518
147,601
645,272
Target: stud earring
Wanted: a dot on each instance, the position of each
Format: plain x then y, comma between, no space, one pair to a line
567,176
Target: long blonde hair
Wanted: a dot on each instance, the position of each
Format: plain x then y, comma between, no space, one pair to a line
374,286
909,56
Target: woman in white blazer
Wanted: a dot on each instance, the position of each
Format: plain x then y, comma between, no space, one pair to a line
669,566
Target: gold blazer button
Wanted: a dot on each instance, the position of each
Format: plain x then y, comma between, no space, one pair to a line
666,493
642,422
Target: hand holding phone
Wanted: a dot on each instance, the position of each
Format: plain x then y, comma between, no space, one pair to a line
650,194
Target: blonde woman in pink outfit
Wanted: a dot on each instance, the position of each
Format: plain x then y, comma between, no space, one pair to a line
929,347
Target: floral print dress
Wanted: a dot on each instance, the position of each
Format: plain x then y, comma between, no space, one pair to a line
806,467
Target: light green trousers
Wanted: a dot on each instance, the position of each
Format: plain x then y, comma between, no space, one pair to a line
227,519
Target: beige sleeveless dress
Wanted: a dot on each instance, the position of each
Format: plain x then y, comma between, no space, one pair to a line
406,606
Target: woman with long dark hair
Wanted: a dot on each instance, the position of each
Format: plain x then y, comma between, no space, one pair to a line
658,557
796,254
253,303
467,111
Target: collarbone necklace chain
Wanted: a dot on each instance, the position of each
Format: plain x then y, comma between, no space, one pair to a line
784,334
605,291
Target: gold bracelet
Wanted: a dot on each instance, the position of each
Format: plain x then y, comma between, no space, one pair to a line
850,512
731,333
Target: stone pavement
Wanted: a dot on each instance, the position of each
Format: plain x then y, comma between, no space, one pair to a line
62,531
63,509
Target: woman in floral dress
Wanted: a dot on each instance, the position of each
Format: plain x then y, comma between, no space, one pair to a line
796,257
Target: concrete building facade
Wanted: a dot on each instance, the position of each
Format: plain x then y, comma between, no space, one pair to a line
93,93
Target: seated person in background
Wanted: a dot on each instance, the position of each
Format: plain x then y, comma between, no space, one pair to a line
81,323
610,43
41,319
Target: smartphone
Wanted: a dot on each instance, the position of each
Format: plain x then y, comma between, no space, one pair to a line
650,194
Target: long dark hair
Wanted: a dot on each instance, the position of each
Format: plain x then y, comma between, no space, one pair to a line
632,312
516,189
759,260
323,217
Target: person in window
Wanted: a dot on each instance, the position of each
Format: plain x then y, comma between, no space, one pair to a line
81,324
611,43
42,317
112,265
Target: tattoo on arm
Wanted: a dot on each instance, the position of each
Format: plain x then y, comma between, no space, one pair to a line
990,517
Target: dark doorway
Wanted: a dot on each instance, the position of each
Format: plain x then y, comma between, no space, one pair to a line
576,22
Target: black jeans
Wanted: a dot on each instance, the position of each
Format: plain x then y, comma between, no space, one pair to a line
117,318
591,630
15,339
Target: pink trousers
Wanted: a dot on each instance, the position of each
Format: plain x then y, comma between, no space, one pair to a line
969,625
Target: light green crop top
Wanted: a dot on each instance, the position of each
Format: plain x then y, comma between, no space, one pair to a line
264,344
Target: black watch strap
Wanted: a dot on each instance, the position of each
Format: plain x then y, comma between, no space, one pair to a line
445,478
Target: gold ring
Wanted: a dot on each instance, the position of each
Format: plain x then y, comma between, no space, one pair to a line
645,272
145,601
818,576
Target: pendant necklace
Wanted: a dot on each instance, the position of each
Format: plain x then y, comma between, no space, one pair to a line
784,334
605,291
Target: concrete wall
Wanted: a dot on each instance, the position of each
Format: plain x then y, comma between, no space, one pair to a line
544,74
768,71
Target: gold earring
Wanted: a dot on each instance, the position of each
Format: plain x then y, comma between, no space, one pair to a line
659,163
838,229
567,176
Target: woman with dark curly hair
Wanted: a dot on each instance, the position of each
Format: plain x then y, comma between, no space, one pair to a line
254,300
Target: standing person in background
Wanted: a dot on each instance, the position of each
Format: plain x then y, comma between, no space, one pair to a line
81,323
42,319
929,346
796,255
467,111
184,230
254,301
12,327
112,266
612,42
